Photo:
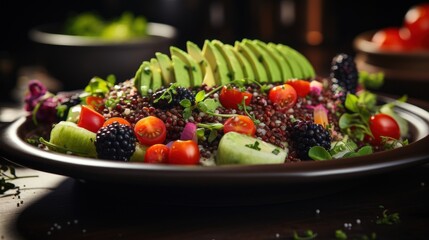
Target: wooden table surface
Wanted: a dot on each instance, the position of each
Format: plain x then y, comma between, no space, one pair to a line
50,206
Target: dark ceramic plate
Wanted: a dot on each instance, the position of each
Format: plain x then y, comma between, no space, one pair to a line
224,184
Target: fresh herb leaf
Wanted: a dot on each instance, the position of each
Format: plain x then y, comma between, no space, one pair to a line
275,151
319,153
255,146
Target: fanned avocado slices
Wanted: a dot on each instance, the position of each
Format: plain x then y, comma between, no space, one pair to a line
143,78
272,69
244,63
306,66
285,70
234,67
156,74
181,73
166,66
194,69
217,63
196,53
291,59
258,69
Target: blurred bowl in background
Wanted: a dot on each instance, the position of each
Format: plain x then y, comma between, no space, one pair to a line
74,60
405,72
398,65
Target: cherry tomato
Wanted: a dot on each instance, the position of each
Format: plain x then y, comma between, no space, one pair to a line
301,87
184,152
116,119
417,22
157,153
241,124
392,39
96,102
283,95
384,125
231,97
90,119
150,130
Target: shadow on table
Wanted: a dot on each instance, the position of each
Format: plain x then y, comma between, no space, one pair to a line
83,211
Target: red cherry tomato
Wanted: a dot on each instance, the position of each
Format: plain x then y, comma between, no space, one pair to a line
96,102
185,152
417,22
116,119
383,125
283,95
157,153
301,87
241,124
150,130
231,97
90,119
392,39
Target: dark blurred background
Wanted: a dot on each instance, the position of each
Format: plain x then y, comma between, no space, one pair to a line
318,28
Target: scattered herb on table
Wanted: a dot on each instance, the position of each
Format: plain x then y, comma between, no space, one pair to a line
307,235
8,174
388,218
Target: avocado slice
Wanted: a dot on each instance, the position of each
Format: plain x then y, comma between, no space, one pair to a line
156,74
273,71
245,65
181,73
293,62
166,66
258,68
196,53
234,67
286,73
305,64
237,148
143,78
217,63
194,69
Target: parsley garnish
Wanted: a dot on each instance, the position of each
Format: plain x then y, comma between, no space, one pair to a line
255,146
275,151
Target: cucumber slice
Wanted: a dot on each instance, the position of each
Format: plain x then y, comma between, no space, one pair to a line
237,148
71,138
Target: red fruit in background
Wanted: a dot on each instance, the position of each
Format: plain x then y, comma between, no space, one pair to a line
392,38
417,22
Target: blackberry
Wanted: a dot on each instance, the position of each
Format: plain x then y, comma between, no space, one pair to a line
307,134
344,74
167,98
115,142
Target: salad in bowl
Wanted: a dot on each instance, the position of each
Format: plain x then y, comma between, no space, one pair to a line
248,103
